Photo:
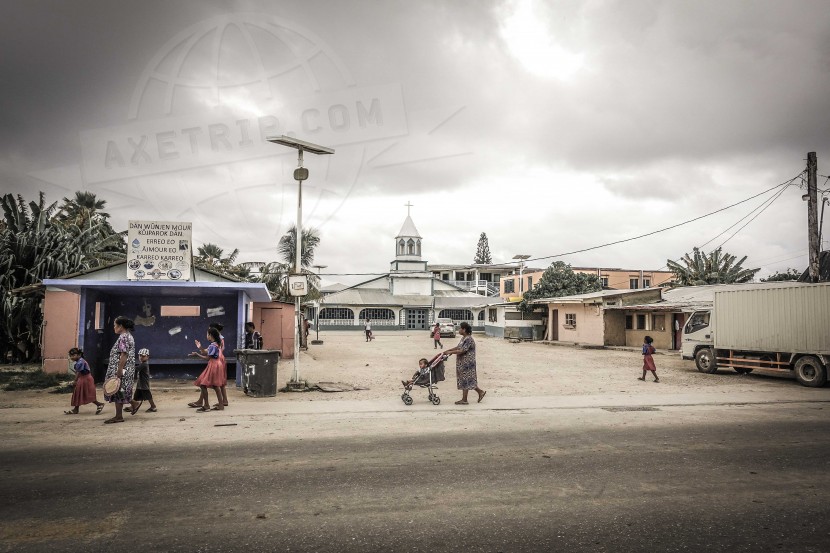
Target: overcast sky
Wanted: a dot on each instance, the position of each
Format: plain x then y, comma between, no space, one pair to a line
551,126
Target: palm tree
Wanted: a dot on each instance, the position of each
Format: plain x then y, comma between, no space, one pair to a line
211,256
715,268
275,273
288,250
34,246
81,209
84,211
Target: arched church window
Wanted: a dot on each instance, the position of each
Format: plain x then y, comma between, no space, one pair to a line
418,247
337,313
410,247
456,315
377,314
401,247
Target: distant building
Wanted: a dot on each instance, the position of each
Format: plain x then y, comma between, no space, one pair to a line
409,296
513,287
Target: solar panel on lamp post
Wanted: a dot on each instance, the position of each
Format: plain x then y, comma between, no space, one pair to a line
300,174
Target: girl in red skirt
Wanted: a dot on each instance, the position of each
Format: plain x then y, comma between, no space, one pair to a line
214,375
84,384
648,360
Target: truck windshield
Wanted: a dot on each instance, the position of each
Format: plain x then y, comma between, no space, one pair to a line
699,320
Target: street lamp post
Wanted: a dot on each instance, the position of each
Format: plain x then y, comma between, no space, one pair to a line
317,341
521,258
300,174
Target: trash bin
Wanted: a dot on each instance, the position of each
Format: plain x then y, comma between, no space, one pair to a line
259,371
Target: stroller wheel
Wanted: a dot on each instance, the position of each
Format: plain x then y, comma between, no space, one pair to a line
407,400
436,400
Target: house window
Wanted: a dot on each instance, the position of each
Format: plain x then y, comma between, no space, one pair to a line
509,286
492,315
633,283
641,322
570,320
480,315
445,276
629,322
604,281
530,283
658,322
646,283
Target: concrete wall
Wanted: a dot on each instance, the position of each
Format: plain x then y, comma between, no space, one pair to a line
589,327
614,328
411,286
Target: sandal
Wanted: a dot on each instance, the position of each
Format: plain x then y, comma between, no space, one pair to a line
217,408
643,379
113,421
202,410
134,411
70,412
194,404
481,396
151,410
215,405
461,402
99,409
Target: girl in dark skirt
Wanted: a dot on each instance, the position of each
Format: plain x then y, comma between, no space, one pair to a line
84,391
142,386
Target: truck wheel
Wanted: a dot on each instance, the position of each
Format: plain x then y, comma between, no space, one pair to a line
705,361
810,372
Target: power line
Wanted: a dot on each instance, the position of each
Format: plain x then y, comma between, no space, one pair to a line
652,233
775,197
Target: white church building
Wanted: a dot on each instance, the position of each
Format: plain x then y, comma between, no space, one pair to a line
408,297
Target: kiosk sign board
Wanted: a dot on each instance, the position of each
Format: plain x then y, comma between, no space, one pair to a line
159,250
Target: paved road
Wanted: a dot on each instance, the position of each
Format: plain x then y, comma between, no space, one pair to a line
676,478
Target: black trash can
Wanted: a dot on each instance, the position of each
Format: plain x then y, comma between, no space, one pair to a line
259,371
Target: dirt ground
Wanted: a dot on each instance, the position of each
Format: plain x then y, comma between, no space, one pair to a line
504,369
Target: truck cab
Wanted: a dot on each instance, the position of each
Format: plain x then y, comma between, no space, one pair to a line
699,340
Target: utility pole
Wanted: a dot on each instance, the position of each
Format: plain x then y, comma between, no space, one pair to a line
812,216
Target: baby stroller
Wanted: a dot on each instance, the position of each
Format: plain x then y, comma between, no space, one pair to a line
427,378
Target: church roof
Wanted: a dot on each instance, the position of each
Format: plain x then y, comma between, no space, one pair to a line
408,229
380,297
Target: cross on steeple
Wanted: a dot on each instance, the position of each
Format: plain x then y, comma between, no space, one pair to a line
408,204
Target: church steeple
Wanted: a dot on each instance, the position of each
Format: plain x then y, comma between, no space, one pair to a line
408,240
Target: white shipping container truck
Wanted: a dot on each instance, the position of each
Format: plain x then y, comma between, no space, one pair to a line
774,329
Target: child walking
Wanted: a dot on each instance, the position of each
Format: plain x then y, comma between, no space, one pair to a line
142,388
224,387
648,360
214,374
436,337
84,384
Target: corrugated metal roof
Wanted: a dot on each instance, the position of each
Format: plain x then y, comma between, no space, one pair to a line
376,296
579,298
691,298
